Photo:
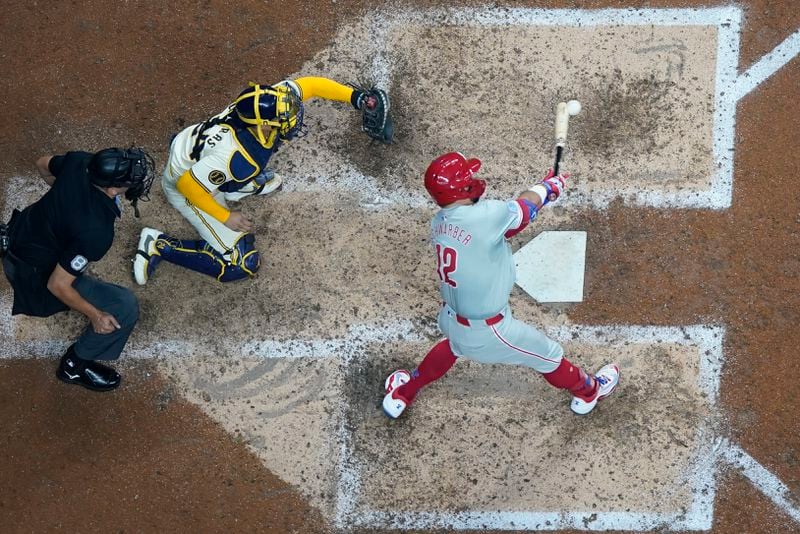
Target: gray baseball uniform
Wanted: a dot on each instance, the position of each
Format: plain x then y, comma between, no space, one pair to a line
476,274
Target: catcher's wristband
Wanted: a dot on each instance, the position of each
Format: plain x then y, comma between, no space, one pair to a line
357,98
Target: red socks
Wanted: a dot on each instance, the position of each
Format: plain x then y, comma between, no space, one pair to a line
572,378
440,359
436,363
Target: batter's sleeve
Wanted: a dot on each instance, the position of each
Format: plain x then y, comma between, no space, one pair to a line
529,212
500,217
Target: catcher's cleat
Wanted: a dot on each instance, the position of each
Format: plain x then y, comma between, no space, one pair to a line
87,373
393,403
269,187
147,257
607,381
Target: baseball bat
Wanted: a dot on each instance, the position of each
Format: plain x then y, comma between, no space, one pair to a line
562,125
563,112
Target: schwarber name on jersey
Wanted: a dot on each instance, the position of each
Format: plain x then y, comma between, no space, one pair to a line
474,261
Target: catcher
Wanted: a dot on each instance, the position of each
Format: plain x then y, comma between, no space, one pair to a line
225,159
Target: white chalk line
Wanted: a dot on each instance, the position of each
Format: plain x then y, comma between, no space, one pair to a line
768,65
490,16
707,339
372,196
727,21
761,478
348,484
357,338
729,90
720,196
536,521
699,513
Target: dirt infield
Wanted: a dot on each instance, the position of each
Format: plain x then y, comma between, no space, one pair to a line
254,407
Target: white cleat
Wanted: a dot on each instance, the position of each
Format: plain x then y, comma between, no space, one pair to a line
147,256
275,184
395,404
607,380
396,379
271,186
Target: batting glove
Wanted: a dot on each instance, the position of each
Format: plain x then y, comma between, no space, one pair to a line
551,186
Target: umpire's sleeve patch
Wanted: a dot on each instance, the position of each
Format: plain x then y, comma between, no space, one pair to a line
79,263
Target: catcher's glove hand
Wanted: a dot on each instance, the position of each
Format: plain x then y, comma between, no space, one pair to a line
375,119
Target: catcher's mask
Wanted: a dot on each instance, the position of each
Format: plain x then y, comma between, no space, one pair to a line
279,107
449,178
119,167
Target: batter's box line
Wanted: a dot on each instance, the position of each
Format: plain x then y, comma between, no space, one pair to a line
760,477
355,341
728,90
726,20
708,339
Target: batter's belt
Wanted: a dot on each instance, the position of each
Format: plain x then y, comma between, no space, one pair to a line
490,321
469,322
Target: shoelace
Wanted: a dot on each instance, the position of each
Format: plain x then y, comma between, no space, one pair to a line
602,380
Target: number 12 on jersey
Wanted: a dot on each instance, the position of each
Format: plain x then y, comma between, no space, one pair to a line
446,258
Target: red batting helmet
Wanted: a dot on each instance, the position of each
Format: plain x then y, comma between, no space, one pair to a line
449,178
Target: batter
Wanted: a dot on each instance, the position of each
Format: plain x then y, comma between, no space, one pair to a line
476,274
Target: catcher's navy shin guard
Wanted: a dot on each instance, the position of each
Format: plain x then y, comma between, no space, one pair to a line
201,257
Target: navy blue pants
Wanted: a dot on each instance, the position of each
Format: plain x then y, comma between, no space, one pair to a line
110,298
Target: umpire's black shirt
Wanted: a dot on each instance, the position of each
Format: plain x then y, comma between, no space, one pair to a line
70,226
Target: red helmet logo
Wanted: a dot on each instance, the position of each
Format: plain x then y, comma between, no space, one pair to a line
449,178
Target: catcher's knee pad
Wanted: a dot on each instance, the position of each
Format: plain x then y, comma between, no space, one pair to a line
245,254
243,261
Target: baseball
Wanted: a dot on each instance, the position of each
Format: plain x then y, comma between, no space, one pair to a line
573,107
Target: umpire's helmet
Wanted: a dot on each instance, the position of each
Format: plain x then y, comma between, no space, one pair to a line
120,167
449,178
277,106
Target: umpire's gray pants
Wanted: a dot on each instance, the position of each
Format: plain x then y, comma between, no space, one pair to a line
110,298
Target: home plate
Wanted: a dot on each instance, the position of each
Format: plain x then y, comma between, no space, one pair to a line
551,266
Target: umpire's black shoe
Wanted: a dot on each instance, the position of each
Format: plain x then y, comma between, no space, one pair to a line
87,373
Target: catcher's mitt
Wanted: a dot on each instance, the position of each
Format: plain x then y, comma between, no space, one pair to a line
375,119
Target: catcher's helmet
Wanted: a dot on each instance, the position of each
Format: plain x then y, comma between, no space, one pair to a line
279,107
449,178
132,168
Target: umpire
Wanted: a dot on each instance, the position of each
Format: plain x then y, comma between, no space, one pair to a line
51,243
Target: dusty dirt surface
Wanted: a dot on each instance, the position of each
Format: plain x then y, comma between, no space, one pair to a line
201,439
143,460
